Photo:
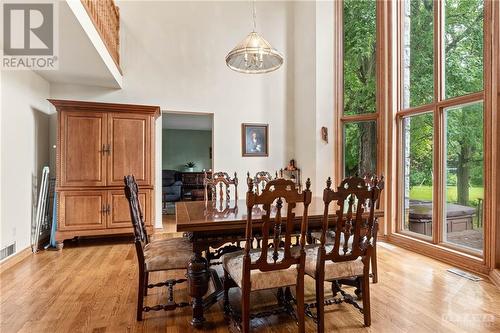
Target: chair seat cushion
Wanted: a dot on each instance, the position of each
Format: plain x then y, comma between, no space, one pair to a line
330,236
167,254
333,270
233,264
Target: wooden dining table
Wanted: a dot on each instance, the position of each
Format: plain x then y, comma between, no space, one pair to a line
212,225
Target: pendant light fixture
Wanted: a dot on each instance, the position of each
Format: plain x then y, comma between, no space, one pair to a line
254,54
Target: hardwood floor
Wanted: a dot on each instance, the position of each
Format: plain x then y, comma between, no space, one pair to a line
91,286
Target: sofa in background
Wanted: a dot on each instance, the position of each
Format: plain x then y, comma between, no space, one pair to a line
171,186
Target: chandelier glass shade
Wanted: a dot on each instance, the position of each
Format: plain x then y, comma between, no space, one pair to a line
254,54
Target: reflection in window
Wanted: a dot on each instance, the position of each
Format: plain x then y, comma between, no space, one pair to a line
464,176
360,148
359,56
417,173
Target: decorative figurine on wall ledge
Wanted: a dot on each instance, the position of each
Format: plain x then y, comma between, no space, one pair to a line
324,134
291,166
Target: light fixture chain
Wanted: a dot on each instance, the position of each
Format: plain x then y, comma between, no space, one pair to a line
254,17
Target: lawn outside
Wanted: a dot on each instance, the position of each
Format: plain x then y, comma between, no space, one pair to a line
425,193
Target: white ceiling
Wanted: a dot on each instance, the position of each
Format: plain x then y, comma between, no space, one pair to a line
187,121
79,60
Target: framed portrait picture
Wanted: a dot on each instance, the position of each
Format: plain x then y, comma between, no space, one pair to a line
254,139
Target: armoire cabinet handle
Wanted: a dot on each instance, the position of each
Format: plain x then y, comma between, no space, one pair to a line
106,149
108,209
103,150
104,209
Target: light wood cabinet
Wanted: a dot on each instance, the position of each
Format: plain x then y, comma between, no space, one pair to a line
83,145
99,144
128,153
82,210
119,212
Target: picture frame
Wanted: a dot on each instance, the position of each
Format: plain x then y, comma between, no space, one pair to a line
255,140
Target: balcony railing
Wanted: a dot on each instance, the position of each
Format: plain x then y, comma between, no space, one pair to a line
106,18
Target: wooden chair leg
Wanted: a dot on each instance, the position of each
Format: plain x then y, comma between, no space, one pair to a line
140,295
300,304
320,304
366,300
226,291
245,309
374,265
146,282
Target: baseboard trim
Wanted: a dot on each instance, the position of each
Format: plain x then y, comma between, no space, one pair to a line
446,255
15,259
495,277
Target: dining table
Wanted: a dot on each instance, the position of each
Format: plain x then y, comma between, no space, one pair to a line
215,228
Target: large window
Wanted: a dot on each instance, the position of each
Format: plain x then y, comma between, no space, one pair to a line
441,123
359,120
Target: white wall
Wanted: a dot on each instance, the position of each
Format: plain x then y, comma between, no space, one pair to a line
173,56
25,150
325,96
313,92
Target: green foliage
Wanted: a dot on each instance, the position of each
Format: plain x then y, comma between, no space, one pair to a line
463,43
359,56
421,41
359,85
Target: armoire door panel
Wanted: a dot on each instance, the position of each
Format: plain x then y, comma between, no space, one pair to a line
81,210
83,140
130,148
119,216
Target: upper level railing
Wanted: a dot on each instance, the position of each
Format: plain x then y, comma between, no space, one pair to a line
106,18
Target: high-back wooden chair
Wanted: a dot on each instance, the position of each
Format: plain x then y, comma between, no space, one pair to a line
349,255
219,185
260,180
160,255
276,264
369,181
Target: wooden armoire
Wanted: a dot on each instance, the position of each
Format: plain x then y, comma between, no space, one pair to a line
97,145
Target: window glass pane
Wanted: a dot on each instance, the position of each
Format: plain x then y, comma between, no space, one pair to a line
463,47
417,173
359,56
360,148
464,176
418,53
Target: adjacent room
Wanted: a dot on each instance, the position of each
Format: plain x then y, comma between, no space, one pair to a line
250,166
186,157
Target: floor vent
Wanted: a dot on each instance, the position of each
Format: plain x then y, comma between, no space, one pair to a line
7,251
466,275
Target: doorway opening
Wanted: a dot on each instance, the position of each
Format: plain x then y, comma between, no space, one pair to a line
187,151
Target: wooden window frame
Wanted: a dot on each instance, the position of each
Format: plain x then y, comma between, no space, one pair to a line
437,248
342,119
388,101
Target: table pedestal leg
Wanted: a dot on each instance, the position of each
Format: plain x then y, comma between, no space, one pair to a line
198,279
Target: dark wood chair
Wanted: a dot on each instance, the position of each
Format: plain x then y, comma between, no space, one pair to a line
218,194
260,180
348,257
330,234
220,182
152,256
275,264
